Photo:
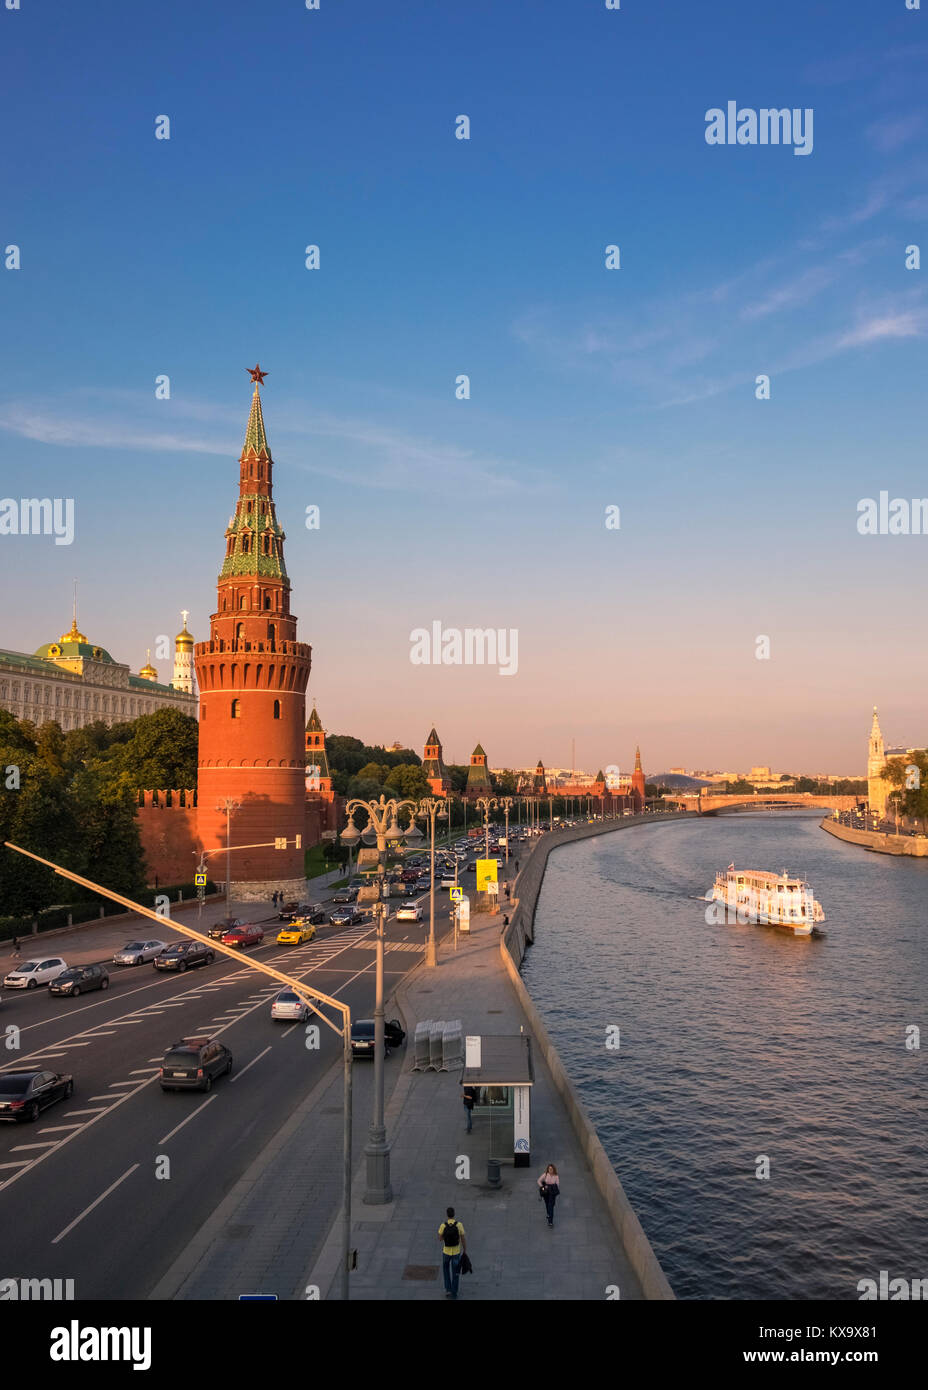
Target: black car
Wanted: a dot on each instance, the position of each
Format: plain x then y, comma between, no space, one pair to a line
345,895
346,916
362,1036
79,979
24,1093
184,955
217,932
193,1063
313,913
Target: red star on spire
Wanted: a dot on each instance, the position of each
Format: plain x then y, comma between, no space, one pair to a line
256,374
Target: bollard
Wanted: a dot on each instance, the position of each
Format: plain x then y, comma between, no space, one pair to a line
493,1174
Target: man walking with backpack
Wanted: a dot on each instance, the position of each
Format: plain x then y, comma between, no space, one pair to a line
453,1244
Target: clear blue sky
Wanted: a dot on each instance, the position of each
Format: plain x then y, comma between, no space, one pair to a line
438,257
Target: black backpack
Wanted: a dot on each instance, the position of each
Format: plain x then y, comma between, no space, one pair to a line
450,1234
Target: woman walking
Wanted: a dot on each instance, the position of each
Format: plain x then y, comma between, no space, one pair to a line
549,1189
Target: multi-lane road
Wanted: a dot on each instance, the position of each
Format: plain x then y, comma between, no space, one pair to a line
84,1191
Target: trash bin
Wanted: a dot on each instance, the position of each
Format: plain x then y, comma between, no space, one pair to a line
493,1174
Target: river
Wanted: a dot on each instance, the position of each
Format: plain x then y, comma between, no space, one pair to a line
739,1042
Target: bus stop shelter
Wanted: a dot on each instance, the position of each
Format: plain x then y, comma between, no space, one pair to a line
501,1071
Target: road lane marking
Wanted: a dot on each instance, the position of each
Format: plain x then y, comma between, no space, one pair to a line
250,1065
88,1210
43,1144
187,1121
57,1129
144,1071
97,1111
291,1028
18,1164
114,1084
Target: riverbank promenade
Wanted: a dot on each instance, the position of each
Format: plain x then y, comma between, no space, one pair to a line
514,1253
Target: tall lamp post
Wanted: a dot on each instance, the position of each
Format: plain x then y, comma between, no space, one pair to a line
432,807
383,825
228,805
486,803
505,802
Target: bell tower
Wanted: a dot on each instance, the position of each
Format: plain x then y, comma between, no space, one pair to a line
876,761
252,675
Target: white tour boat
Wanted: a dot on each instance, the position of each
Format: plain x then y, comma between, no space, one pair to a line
760,898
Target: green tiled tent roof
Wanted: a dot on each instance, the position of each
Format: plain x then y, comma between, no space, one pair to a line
314,723
478,752
255,438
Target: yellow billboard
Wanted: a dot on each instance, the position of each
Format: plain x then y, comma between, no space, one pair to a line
486,873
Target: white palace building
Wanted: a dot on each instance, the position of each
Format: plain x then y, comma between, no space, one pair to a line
74,683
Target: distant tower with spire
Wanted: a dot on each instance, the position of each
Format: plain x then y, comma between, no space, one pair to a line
638,786
183,678
433,766
877,790
478,779
318,776
252,674
539,781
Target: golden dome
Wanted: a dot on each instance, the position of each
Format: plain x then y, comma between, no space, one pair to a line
148,671
73,635
184,638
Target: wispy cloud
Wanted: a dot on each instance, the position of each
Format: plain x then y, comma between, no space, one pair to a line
372,455
892,132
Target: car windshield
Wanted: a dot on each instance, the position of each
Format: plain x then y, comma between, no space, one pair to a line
71,974
135,946
14,1085
286,996
27,967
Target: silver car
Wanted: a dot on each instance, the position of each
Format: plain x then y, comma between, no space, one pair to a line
136,952
289,1006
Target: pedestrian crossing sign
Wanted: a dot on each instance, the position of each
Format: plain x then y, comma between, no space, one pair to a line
199,880
456,894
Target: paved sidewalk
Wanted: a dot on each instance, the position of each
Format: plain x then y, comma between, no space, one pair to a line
515,1254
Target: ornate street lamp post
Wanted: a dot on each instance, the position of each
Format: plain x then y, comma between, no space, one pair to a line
432,807
505,802
383,826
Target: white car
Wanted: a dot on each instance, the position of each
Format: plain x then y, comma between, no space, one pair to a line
409,912
36,972
289,1006
138,951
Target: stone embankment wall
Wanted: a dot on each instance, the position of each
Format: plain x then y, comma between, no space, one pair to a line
512,948
876,840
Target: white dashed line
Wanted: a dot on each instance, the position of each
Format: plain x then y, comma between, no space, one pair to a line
250,1065
187,1121
88,1210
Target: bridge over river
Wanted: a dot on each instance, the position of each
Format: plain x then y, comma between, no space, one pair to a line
710,803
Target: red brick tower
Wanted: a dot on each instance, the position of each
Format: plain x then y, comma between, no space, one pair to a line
252,675
638,792
434,767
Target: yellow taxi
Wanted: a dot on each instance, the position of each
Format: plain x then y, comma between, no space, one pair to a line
296,932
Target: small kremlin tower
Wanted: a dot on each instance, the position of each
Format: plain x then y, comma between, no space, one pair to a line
252,675
318,776
478,779
434,767
539,781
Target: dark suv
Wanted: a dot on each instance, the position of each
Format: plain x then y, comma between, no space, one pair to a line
217,932
184,955
79,979
192,1064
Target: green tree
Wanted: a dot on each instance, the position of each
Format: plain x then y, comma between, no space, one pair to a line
408,780
911,786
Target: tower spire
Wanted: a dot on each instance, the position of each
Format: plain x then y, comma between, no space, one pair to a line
637,758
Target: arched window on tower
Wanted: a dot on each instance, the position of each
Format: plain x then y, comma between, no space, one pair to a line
241,602
271,634
267,600
240,632
276,709
236,709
